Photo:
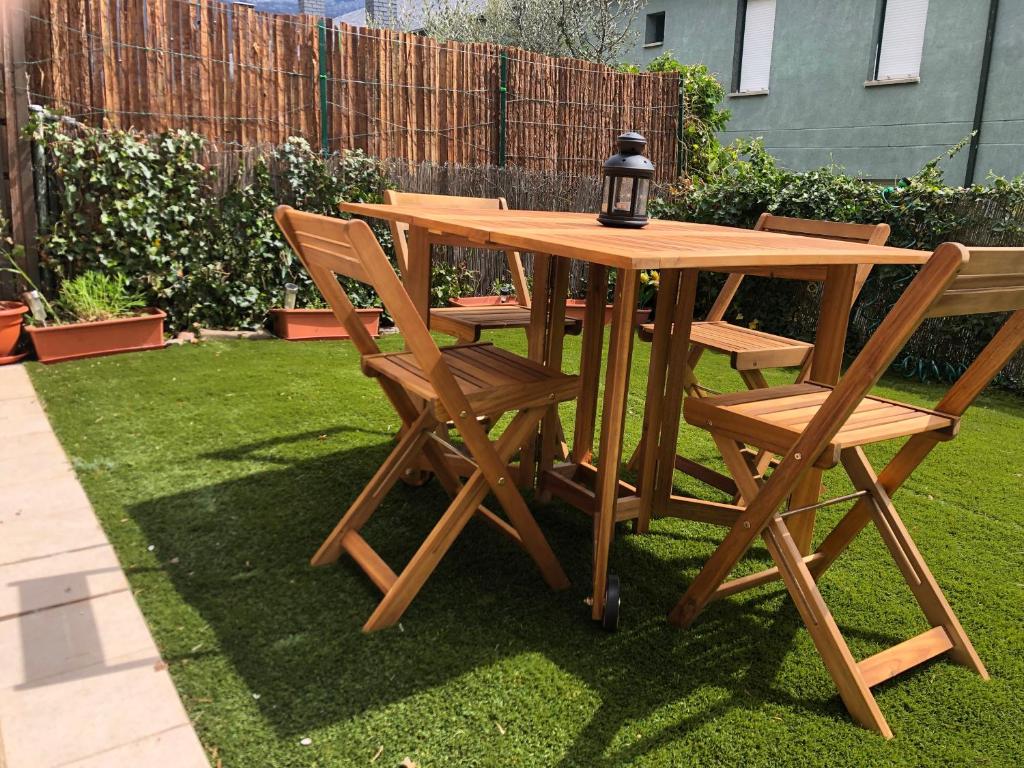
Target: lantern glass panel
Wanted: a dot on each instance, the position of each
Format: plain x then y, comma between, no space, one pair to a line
624,194
606,197
642,186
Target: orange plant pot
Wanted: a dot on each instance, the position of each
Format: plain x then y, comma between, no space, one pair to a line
576,309
55,343
307,324
11,317
482,301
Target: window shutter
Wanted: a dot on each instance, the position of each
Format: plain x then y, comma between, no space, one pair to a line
758,31
902,39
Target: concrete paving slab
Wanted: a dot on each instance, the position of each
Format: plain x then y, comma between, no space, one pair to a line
15,383
34,446
28,533
22,416
73,717
59,492
82,637
46,582
176,748
36,470
81,680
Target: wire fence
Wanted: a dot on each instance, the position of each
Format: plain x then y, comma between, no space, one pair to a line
243,77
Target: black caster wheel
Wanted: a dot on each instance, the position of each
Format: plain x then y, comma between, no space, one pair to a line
417,477
612,604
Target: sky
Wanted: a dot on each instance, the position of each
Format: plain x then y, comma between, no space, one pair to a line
334,7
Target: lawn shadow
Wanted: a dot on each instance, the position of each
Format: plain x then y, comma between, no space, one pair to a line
292,632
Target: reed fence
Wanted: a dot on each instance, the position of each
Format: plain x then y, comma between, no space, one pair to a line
241,77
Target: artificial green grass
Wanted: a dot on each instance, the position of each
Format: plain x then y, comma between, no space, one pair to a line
233,460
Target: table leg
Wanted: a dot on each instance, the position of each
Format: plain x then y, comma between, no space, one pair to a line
417,277
536,345
826,366
613,417
550,430
656,373
590,364
675,386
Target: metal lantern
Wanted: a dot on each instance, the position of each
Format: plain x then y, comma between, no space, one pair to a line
627,181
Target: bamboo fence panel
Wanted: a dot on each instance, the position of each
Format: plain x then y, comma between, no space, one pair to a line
239,76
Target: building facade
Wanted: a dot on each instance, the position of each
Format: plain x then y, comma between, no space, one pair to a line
877,86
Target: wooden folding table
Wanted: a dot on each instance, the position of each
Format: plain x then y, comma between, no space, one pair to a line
679,250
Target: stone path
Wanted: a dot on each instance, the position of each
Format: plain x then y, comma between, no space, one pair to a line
81,681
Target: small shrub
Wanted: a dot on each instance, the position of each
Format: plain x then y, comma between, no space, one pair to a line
449,281
922,213
146,207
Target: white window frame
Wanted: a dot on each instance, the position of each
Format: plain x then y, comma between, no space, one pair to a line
900,46
755,54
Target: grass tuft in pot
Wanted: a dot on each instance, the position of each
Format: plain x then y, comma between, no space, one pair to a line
95,296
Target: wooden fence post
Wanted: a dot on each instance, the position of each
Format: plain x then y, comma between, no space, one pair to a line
17,196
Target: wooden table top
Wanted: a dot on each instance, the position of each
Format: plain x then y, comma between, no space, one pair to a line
659,245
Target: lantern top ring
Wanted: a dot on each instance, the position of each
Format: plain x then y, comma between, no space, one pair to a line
629,160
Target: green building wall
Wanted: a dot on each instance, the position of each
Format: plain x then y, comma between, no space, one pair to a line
818,109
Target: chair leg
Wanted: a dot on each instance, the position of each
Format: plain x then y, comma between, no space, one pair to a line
531,536
834,652
429,554
913,567
382,481
465,504
748,482
754,379
891,478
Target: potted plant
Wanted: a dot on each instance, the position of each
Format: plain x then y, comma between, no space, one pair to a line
12,313
502,292
317,321
649,280
103,318
11,319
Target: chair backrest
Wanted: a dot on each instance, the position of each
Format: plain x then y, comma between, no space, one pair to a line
934,291
329,247
992,281
400,230
871,234
955,281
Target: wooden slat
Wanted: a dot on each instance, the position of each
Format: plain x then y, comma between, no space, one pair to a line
774,418
987,261
380,573
992,281
970,302
833,230
743,583
899,658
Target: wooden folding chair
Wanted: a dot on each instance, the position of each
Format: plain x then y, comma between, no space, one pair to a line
751,351
812,425
466,323
428,387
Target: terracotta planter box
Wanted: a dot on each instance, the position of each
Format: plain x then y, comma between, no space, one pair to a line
482,301
577,308
12,314
104,337
305,324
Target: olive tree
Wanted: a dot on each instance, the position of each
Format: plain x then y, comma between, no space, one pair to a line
594,30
